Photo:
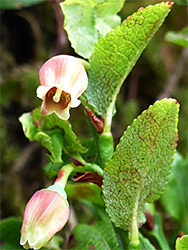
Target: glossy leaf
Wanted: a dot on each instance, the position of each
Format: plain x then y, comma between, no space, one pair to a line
53,133
139,169
175,197
99,236
93,19
180,38
115,55
10,233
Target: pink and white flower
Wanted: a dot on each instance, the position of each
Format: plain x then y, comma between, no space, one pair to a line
63,79
45,214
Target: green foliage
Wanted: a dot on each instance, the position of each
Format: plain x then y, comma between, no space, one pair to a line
98,236
52,132
158,233
175,197
84,191
181,2
182,243
54,244
10,233
145,243
180,38
94,19
139,169
52,170
115,55
17,4
106,147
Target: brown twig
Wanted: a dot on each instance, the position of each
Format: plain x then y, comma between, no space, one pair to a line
61,35
174,78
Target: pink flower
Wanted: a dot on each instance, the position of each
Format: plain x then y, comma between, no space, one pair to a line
45,214
63,79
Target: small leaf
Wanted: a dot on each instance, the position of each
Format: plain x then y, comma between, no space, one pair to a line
93,20
99,236
182,243
180,38
17,4
52,132
175,197
84,191
139,169
10,233
115,55
145,243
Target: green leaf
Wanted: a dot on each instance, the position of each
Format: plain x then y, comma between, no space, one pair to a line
54,244
84,191
52,170
93,19
158,234
175,197
99,236
181,2
182,243
139,169
10,233
52,133
180,38
17,4
145,243
115,55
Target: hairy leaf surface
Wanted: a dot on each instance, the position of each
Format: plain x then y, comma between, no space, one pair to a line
92,19
139,170
99,236
182,243
115,55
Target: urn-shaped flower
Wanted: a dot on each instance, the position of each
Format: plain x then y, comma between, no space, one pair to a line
45,214
63,79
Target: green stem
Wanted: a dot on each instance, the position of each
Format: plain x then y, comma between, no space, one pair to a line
134,231
64,174
109,113
158,233
61,180
134,237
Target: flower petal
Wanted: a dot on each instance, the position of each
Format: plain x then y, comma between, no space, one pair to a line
63,114
46,213
65,72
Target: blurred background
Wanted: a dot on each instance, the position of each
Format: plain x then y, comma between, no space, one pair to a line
30,35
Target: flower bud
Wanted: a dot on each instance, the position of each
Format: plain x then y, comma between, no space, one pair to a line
63,79
45,214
